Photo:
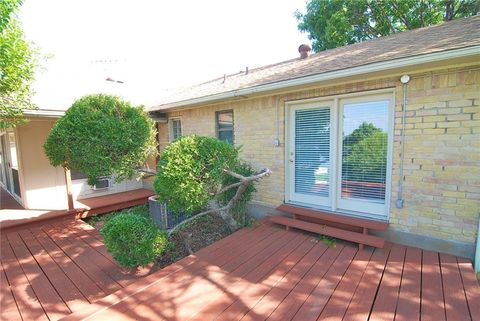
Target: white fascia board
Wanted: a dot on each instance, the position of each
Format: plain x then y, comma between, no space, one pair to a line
307,80
43,113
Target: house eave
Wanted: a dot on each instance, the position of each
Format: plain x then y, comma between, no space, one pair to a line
317,78
43,113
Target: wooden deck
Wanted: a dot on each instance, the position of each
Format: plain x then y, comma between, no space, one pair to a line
53,268
269,273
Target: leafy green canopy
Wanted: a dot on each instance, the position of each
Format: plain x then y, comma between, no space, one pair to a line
17,67
367,159
102,135
133,239
336,23
191,172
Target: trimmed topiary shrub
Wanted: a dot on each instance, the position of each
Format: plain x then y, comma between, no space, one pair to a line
102,135
133,239
191,171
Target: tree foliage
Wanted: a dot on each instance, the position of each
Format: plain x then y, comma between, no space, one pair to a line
102,135
363,131
191,171
335,23
134,239
17,66
367,160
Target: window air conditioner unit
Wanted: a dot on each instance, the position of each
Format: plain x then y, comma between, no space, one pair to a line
102,183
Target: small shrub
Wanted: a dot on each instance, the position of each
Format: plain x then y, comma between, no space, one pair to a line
133,239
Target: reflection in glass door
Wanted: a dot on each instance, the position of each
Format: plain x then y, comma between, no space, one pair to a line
4,168
364,152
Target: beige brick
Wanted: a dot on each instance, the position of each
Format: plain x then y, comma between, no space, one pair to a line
461,103
459,117
474,109
435,131
449,111
458,130
428,119
425,125
448,124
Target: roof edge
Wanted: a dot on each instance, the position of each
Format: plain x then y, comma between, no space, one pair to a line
43,113
354,71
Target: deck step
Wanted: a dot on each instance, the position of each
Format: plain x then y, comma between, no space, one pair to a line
333,217
356,237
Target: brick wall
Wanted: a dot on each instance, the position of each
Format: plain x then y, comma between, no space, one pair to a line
442,147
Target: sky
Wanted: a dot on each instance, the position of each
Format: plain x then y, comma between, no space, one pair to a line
152,45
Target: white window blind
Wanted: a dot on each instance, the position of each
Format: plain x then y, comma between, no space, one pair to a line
176,128
312,151
364,151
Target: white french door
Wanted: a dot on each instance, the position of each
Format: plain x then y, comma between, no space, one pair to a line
339,154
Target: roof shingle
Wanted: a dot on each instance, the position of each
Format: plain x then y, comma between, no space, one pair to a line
451,35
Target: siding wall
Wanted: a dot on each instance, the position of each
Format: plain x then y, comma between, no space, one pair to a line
442,148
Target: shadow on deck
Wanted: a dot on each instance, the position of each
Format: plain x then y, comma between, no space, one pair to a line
256,273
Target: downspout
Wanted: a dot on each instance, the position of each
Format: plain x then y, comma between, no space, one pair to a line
404,80
477,254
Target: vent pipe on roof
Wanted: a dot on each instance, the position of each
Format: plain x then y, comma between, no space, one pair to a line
304,51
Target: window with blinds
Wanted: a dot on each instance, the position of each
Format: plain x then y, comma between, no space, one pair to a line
364,151
224,124
176,128
312,151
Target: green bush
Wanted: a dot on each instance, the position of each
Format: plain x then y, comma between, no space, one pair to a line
190,170
102,135
133,239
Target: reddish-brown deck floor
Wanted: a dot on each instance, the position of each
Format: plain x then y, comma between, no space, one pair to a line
255,274
53,268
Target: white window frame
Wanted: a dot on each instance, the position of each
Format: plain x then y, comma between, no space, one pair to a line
170,131
336,147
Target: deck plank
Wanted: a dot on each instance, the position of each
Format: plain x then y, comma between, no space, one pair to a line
269,302
220,283
387,296
80,255
8,306
51,301
455,301
471,286
317,300
25,297
69,293
287,309
249,292
337,305
364,297
182,273
408,306
432,300
81,280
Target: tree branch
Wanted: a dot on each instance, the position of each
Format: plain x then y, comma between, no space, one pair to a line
224,211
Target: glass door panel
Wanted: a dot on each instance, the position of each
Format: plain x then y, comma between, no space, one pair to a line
364,150
310,155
